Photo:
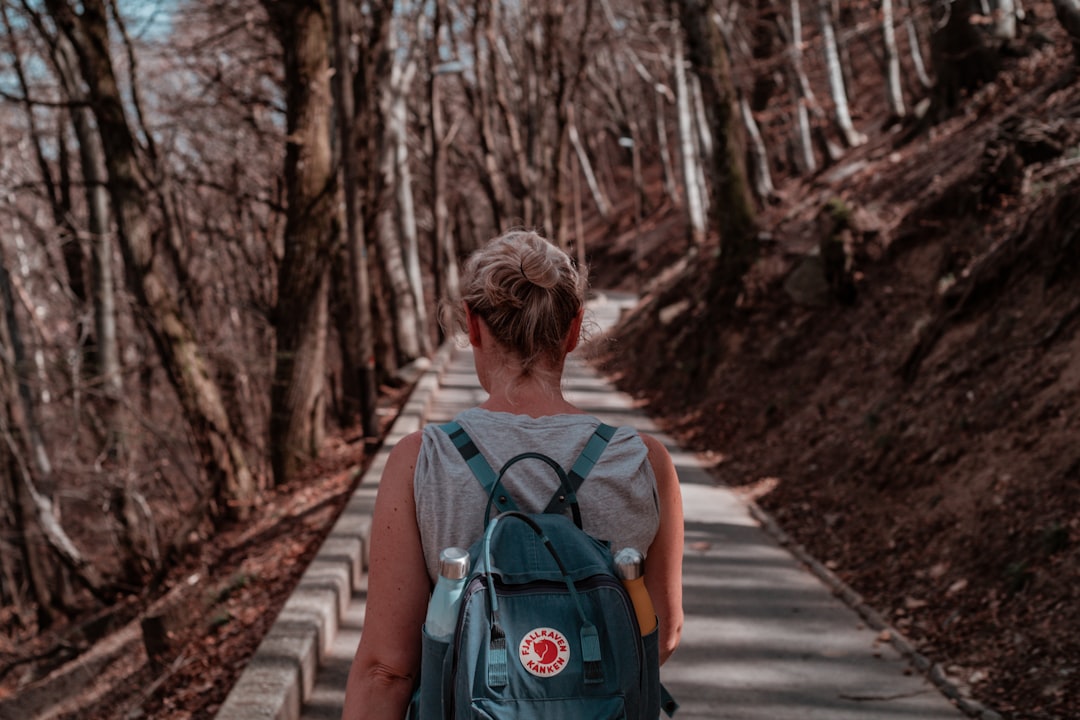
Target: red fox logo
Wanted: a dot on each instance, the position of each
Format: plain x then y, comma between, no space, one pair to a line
547,651
544,652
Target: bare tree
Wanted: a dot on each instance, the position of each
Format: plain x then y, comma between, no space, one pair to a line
961,59
853,137
732,208
895,92
603,206
106,357
297,395
692,186
396,230
804,98
358,341
222,457
481,104
568,37
444,254
663,96
763,184
104,363
29,512
759,165
915,46
627,45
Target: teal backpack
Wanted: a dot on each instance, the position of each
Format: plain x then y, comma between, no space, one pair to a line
545,628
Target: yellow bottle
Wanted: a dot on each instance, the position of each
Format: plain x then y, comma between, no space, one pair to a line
630,565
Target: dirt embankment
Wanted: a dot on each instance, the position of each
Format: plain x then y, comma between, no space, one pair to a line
915,428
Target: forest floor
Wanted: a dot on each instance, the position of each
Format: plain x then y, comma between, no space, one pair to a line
916,435
216,606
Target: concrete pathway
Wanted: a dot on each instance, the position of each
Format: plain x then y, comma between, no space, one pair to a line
764,637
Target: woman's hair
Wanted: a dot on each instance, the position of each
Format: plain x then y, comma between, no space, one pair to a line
528,292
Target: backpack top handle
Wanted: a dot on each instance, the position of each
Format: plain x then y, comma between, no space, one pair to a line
566,489
569,483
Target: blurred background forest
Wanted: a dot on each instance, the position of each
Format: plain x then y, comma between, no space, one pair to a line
227,228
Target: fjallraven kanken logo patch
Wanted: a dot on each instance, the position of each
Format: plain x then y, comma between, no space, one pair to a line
544,652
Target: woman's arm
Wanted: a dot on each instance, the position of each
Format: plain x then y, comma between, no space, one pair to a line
387,660
663,568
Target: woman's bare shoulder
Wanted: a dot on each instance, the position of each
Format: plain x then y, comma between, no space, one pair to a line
657,450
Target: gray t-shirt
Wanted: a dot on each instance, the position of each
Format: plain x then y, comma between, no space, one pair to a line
618,501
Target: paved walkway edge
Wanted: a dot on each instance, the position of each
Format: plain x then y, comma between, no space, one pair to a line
281,674
931,670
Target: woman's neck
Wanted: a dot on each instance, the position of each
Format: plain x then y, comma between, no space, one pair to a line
537,393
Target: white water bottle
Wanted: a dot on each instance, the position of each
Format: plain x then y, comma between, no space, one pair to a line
442,611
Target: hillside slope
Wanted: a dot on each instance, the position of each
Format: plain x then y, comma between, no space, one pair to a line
916,429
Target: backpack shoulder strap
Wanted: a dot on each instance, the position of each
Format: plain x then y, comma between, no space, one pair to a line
479,466
581,468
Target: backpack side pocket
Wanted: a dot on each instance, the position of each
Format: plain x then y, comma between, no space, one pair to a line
651,671
430,703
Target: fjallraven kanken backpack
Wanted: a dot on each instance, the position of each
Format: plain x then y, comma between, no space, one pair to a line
545,628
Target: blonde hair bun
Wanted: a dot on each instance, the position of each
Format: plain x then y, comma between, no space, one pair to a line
542,268
527,290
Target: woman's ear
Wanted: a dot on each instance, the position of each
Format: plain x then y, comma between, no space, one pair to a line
472,322
573,336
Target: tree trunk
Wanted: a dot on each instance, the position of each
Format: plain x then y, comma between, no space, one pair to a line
14,592
670,186
535,200
759,167
28,566
104,364
219,449
853,137
802,95
1004,28
808,107
297,396
763,184
894,90
701,121
915,45
404,320
397,223
579,225
731,206
369,131
508,95
569,62
602,205
961,60
1068,14
767,45
106,357
35,512
695,207
407,223
480,101
805,90
359,118
27,417
445,257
